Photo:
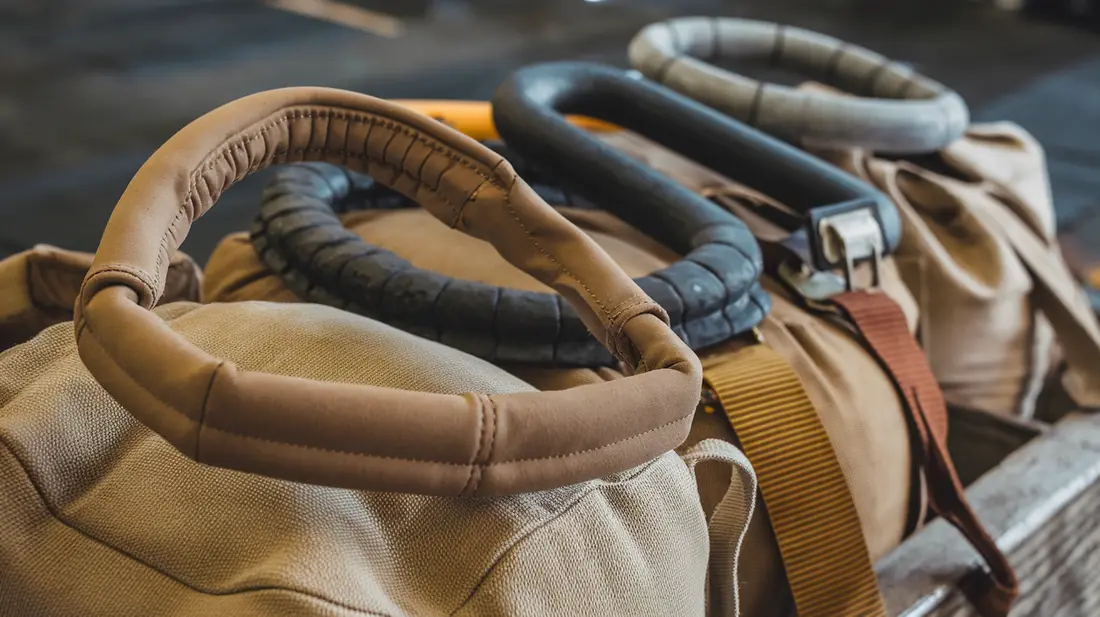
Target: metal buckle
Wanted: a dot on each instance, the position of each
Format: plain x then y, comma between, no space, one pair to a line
850,237
853,237
813,286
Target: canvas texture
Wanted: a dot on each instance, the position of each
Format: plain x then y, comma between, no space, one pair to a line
856,401
91,498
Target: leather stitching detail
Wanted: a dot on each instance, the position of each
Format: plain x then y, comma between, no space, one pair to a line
491,405
238,142
615,336
489,464
455,224
480,443
137,273
548,255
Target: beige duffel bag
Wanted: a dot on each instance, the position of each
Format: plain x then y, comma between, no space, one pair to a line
39,288
978,249
256,458
1000,310
854,398
856,402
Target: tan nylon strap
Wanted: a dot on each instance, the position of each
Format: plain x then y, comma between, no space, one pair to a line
882,324
809,503
1059,297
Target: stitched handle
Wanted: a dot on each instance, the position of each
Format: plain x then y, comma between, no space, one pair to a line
367,437
908,113
528,110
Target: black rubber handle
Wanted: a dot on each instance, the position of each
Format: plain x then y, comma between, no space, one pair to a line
529,109
711,295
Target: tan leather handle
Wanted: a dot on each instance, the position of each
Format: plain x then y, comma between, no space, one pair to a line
368,437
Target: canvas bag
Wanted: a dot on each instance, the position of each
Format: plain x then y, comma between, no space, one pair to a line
873,447
980,253
831,225
40,286
978,250
328,513
872,443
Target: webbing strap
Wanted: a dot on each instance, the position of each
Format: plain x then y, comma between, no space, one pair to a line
882,324
809,503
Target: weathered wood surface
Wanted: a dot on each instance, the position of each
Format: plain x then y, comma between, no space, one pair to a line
1041,504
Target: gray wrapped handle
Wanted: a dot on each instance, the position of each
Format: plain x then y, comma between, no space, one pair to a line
904,112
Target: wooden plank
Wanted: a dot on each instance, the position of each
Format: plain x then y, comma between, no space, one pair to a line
1040,504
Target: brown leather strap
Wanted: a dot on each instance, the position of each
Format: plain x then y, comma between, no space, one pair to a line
808,499
882,325
358,436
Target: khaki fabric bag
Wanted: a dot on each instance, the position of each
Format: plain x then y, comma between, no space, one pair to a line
40,285
857,403
978,249
259,458
980,255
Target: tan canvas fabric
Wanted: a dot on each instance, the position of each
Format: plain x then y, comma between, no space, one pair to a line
987,338
860,409
100,516
39,286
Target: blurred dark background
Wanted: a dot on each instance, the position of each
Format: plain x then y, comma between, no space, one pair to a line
89,88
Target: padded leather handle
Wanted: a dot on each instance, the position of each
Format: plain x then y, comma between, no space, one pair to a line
908,113
528,109
358,436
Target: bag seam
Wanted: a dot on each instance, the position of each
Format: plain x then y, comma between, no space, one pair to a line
521,537
56,515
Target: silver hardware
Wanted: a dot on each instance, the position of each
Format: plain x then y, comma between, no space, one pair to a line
814,287
852,237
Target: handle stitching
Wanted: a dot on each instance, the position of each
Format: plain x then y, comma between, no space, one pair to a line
462,207
240,141
548,255
480,441
374,120
118,268
494,419
487,465
615,332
